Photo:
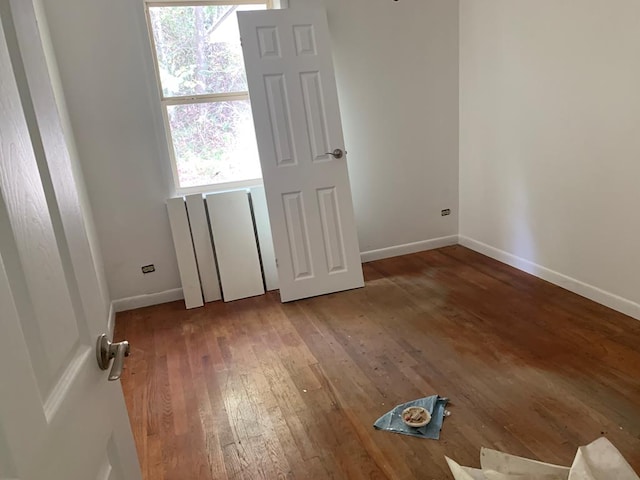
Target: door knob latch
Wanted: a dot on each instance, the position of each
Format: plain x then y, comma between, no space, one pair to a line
106,351
337,153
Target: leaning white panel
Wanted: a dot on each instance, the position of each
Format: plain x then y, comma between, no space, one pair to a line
184,250
235,242
265,240
203,247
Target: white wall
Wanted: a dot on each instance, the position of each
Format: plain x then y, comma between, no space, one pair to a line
397,74
550,140
92,236
71,216
102,52
397,69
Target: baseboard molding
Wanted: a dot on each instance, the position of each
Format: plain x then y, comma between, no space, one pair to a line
140,301
408,248
131,303
596,294
608,299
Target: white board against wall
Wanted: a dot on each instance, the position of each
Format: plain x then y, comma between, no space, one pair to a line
184,251
265,240
203,247
235,244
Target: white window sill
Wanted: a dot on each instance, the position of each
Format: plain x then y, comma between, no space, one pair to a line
220,187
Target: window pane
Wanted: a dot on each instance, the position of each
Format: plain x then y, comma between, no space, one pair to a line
198,49
214,142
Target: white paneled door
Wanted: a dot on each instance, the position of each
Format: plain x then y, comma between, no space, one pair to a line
60,419
297,119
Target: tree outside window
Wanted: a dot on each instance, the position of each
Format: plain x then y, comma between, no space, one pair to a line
205,100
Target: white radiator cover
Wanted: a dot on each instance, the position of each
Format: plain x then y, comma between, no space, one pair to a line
223,245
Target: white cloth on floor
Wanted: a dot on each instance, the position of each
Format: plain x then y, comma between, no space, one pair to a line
599,460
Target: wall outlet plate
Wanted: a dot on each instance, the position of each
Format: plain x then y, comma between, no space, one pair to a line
148,269
445,212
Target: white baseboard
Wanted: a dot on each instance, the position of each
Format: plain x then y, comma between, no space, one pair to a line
130,303
596,294
408,248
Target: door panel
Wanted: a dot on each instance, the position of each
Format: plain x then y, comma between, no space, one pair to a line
282,130
298,236
315,115
52,334
297,120
305,39
331,229
58,413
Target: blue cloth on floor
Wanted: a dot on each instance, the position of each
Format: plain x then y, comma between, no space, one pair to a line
435,405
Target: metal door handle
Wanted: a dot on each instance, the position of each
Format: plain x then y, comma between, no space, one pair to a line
337,153
106,350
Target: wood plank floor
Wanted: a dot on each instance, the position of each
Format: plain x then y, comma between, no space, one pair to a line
257,389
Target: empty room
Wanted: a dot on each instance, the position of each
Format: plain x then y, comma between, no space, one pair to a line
320,239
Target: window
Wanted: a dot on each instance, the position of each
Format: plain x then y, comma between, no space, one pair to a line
203,89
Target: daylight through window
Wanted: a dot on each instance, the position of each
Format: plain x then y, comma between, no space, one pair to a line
203,85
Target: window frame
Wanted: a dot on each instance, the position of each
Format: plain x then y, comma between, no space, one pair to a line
166,102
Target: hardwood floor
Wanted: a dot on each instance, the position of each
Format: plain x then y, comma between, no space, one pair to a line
257,389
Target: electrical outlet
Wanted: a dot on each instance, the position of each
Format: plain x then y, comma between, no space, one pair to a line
445,212
148,269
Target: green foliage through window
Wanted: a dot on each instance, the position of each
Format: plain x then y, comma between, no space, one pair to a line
199,54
